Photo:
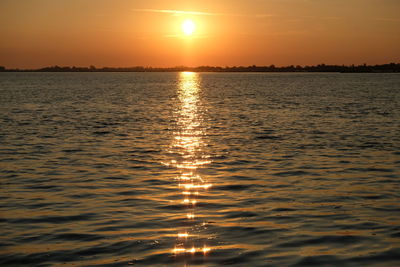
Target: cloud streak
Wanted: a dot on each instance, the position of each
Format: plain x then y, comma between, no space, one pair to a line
197,13
176,12
388,19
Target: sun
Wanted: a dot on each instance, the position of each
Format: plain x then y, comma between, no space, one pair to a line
188,27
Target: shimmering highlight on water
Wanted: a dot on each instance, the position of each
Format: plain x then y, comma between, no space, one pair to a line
188,144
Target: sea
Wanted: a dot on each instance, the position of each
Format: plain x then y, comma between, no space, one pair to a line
199,169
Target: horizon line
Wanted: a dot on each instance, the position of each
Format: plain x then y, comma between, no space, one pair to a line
321,68
199,66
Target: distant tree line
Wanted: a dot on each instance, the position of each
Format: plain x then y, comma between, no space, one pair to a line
391,67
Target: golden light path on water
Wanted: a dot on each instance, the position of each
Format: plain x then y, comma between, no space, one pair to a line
188,142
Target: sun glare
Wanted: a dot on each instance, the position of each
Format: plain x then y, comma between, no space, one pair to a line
188,27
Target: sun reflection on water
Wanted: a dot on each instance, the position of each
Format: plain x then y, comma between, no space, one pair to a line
189,144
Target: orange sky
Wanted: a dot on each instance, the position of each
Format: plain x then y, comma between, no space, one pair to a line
38,33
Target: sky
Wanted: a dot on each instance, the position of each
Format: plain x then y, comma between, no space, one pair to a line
124,33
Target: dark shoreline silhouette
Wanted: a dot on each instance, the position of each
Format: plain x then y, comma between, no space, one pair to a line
384,68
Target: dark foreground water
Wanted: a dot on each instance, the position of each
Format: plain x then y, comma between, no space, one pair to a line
168,169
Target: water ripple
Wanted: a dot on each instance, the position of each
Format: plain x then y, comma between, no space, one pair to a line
175,169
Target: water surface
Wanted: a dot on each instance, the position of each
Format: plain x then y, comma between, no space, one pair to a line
209,169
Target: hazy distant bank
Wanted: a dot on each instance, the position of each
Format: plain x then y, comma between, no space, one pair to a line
386,68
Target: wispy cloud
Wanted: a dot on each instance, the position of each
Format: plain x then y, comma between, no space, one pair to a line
176,12
388,19
198,13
